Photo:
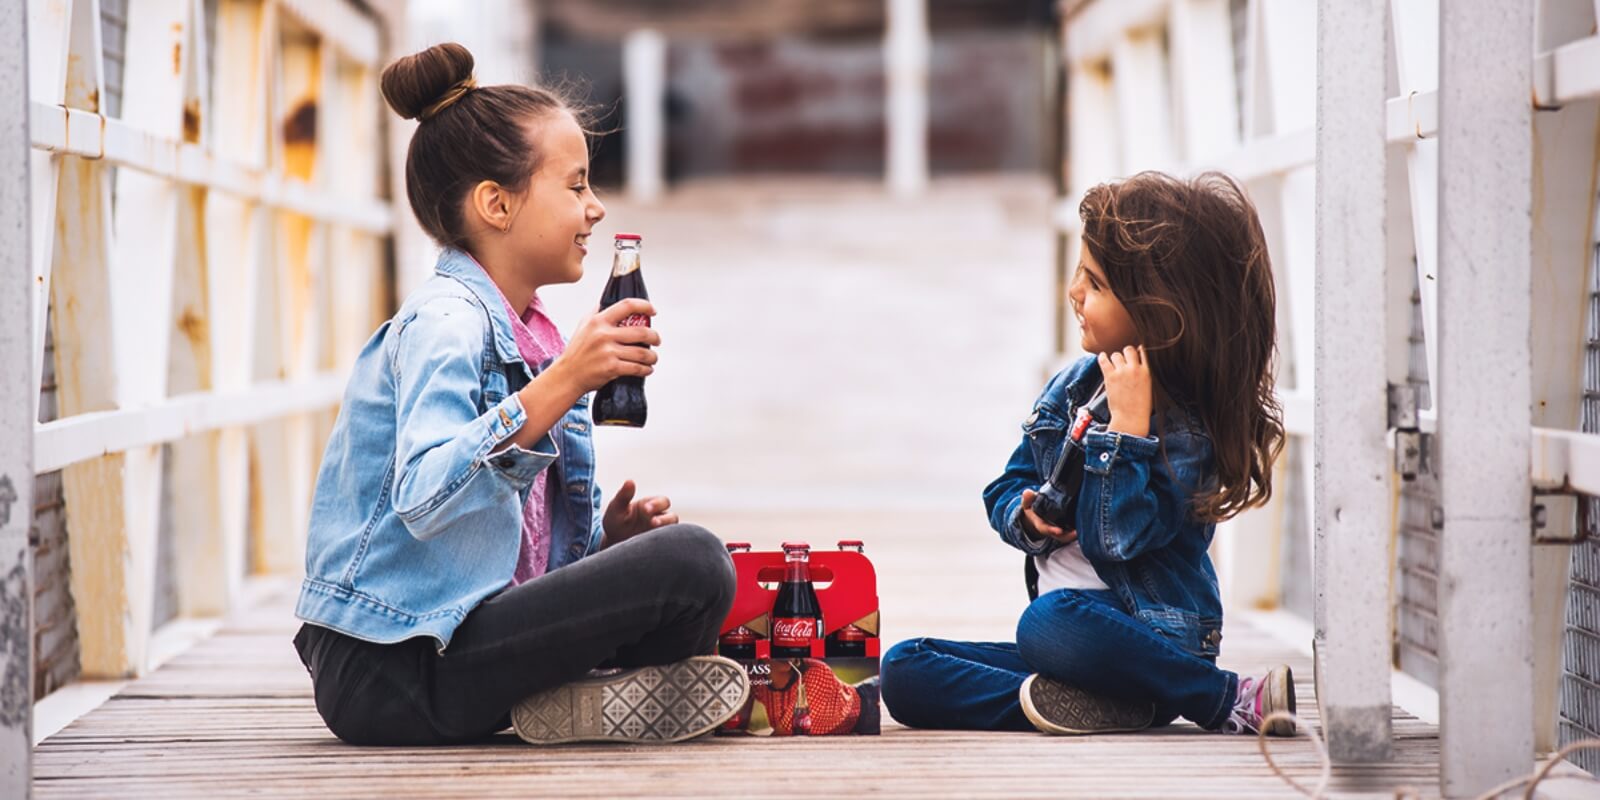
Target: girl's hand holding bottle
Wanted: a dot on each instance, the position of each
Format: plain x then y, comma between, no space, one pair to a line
1036,526
1127,378
601,349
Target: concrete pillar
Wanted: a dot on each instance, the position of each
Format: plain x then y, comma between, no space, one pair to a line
1484,393
906,46
18,393
1354,630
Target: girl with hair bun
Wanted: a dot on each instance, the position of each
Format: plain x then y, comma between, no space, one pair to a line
461,575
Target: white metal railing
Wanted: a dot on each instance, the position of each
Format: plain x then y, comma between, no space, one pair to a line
212,309
1116,65
1122,85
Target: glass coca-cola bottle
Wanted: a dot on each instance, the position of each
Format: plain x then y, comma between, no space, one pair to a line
802,708
621,402
796,614
1057,502
849,641
741,641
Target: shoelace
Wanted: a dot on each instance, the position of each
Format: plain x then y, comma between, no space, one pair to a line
1246,714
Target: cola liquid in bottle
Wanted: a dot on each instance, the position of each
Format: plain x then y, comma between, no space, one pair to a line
796,614
849,641
621,402
741,641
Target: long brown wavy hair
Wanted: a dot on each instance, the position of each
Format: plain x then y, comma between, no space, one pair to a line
1188,260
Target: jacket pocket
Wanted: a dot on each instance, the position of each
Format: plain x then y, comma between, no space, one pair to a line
1198,636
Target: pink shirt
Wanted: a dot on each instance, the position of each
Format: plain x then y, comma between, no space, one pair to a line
538,340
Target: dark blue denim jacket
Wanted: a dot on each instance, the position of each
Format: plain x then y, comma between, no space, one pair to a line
1134,518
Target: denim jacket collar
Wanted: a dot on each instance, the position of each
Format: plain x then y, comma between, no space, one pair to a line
460,265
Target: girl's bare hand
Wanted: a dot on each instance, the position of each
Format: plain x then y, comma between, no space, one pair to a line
1128,389
603,349
626,517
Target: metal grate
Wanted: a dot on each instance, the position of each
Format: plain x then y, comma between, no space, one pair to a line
55,619
1417,622
1580,679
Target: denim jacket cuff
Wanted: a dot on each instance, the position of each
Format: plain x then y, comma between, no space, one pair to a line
1024,541
519,465
1103,448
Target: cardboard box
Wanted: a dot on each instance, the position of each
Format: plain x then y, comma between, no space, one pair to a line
828,693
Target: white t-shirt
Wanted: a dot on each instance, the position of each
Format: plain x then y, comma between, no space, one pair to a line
1067,568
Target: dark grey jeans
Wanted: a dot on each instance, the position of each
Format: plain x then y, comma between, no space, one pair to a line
657,598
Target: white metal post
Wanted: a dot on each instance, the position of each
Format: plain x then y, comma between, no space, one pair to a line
644,77
906,49
1144,102
1564,136
1483,394
1352,475
18,394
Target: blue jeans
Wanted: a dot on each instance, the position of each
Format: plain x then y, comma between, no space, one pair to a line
1081,638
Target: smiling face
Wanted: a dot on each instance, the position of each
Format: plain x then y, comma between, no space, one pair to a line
1103,320
549,230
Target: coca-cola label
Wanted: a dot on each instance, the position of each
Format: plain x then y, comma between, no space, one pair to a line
635,321
794,632
1081,424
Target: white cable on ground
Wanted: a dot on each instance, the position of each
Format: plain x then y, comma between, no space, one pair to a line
1532,779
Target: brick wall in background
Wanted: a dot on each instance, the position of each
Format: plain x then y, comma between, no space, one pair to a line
797,105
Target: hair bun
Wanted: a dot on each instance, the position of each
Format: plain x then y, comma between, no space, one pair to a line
413,85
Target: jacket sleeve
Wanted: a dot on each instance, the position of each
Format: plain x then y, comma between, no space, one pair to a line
1002,498
1133,498
444,467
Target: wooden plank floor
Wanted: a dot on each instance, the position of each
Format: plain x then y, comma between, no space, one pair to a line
234,716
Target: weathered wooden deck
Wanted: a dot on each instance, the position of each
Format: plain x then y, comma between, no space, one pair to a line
234,716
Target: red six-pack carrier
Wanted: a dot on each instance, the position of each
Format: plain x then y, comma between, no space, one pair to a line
805,625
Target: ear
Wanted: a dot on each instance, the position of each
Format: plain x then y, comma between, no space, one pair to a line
491,204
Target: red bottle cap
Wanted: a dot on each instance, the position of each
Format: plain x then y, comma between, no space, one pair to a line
738,546
632,236
846,544
787,546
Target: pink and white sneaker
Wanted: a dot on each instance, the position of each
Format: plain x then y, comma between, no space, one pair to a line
1258,699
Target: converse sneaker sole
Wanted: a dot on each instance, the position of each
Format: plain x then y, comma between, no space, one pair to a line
1055,707
667,703
1280,696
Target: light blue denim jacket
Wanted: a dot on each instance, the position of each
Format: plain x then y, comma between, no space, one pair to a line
416,519
1133,518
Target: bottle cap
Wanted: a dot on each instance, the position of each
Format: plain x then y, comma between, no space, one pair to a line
630,236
